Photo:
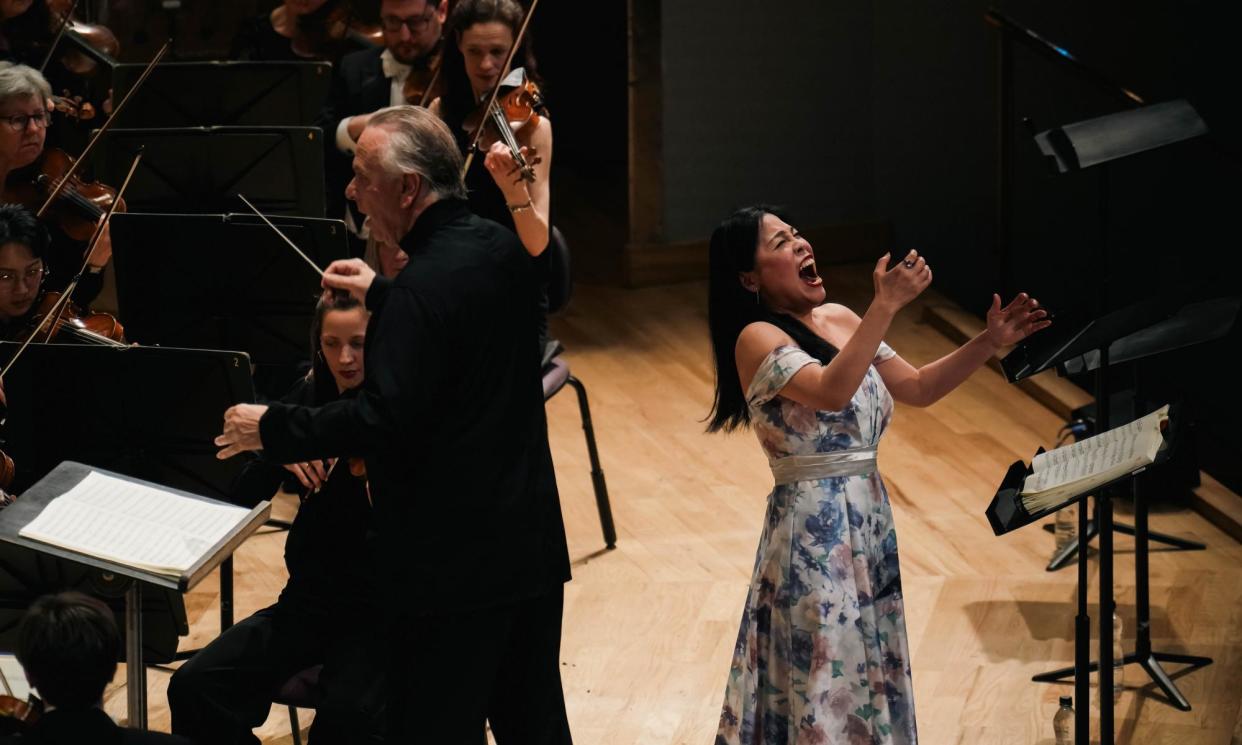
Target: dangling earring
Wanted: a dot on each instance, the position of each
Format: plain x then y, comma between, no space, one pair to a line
756,296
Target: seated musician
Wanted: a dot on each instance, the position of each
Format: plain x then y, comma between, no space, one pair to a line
68,646
24,119
226,690
23,245
369,80
298,31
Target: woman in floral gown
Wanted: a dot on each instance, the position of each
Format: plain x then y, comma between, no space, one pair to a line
822,655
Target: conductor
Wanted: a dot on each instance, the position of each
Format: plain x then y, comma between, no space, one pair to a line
471,550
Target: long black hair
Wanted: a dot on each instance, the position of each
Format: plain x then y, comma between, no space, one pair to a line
731,307
457,101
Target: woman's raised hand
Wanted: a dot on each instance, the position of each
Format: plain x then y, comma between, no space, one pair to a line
896,287
1016,321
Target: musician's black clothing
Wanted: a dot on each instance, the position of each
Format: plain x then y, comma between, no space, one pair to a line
452,423
323,616
81,726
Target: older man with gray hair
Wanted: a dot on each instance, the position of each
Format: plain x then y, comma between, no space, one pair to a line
470,546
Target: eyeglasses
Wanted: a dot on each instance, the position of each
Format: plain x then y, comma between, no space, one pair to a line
19,122
32,276
416,24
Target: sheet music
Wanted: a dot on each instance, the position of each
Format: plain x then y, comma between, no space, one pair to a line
133,524
1112,453
13,678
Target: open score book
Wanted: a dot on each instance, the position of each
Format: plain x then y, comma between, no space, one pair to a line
1060,474
134,524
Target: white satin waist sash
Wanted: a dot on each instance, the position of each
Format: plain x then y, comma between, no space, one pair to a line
794,468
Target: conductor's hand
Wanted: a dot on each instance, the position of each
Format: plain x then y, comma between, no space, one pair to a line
1016,321
896,287
241,430
350,275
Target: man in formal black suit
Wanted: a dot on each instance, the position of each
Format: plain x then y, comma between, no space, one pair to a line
68,645
471,547
373,79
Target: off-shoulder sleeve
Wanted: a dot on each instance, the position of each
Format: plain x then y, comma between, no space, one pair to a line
775,372
883,354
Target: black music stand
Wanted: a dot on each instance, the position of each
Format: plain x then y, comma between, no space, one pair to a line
1085,144
229,283
147,412
205,94
1171,321
64,477
202,169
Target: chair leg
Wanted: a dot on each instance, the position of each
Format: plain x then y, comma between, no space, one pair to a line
597,473
295,726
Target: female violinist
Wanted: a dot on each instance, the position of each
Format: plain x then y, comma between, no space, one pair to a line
26,169
28,31
299,30
479,36
23,243
225,690
481,33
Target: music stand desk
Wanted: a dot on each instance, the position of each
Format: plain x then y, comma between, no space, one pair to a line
63,478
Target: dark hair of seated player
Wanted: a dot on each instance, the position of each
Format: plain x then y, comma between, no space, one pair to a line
68,644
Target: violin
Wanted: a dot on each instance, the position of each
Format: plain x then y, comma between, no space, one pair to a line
73,107
93,43
17,715
423,85
7,471
79,205
509,112
75,325
320,36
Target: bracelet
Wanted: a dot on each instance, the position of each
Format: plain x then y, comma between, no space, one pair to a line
516,208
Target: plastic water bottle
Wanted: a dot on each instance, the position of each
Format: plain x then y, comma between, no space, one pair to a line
1119,653
1066,526
1063,722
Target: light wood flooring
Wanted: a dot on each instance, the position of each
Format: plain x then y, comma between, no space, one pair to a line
649,627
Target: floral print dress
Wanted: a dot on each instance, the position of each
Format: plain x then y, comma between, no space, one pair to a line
821,656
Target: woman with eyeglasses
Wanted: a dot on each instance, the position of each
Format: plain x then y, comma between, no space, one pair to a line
25,116
23,244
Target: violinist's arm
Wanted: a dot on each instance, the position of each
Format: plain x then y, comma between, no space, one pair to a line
529,202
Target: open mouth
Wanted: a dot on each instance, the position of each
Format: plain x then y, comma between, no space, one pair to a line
807,272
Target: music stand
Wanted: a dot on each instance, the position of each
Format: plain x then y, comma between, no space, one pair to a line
146,412
26,575
218,93
202,169
236,284
63,478
1086,144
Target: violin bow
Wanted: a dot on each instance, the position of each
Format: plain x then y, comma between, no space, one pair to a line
491,98
60,185
58,309
64,24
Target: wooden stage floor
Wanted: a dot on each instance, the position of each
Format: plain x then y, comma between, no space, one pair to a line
649,627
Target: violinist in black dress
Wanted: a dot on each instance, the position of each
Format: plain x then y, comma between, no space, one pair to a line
322,616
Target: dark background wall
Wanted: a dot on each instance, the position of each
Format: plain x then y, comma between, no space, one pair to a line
849,110
766,102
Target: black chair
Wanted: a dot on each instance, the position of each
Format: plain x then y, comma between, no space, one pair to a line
556,375
300,691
